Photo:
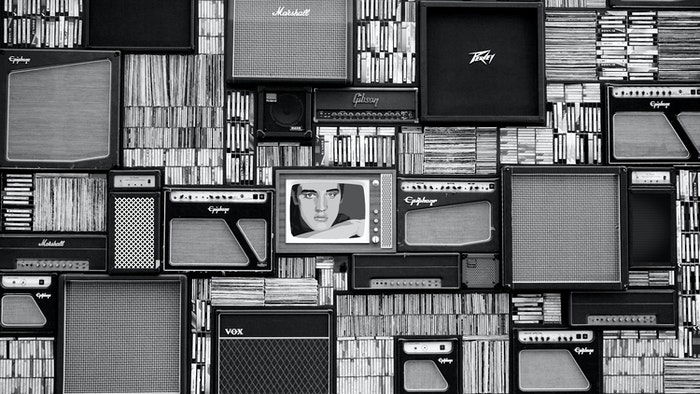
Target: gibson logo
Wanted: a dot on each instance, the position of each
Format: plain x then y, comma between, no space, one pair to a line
234,331
42,296
218,209
281,11
482,56
361,98
659,104
411,201
445,360
583,350
19,60
45,243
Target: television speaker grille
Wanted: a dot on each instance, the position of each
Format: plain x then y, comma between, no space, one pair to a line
387,210
134,229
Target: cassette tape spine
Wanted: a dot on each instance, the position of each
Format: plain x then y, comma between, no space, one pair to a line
365,365
355,146
534,309
200,329
240,144
487,365
627,46
27,365
43,24
211,27
280,154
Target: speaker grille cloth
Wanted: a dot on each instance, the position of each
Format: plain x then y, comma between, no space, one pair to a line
423,375
255,233
480,272
204,242
691,124
387,210
21,310
644,135
459,224
289,365
59,114
122,337
134,229
565,228
288,47
552,370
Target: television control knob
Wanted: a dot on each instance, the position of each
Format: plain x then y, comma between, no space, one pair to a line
375,239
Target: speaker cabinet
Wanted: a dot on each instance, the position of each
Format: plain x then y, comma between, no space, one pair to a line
565,227
28,304
122,335
482,62
288,40
274,351
134,221
285,114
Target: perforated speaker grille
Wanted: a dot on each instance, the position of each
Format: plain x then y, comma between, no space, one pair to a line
565,228
269,45
59,114
284,365
21,310
459,224
134,231
122,336
204,242
387,210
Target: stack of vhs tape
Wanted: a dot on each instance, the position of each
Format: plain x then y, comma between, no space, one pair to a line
681,376
486,361
173,117
263,291
536,308
27,365
365,365
200,330
570,42
652,278
42,24
627,45
211,27
642,46
386,42
611,46
240,144
679,45
574,3
355,146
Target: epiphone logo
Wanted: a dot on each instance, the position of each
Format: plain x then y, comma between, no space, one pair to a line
45,243
19,60
445,360
361,98
583,350
659,104
485,57
234,331
218,209
411,201
43,296
281,11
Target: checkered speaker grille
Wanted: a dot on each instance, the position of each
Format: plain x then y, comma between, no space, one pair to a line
280,366
387,211
134,232
566,228
269,45
122,336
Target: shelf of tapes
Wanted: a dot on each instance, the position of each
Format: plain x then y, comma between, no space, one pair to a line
633,361
26,365
385,40
200,330
42,24
486,362
365,365
679,45
627,45
688,256
211,27
240,144
574,3
539,308
570,45
173,117
355,146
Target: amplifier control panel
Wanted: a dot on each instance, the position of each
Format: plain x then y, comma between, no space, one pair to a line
406,283
448,187
218,196
651,177
656,91
555,336
621,320
369,115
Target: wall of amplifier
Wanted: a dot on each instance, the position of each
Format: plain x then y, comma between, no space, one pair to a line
349,196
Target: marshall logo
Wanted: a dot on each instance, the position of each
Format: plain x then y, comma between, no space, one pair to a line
219,209
411,201
583,350
45,243
234,331
659,104
485,57
19,60
281,11
361,98
43,296
445,360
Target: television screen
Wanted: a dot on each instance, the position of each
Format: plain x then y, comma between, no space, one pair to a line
327,211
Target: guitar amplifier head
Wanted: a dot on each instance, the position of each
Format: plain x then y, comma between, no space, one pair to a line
282,40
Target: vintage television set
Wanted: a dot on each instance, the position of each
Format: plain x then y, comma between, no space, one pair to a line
227,229
335,210
60,108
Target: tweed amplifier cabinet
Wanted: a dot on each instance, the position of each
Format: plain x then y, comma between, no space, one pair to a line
122,334
274,351
134,221
565,227
288,40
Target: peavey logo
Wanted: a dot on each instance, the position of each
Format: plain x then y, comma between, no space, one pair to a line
445,360
485,57
361,98
234,331
411,201
43,296
45,243
659,104
19,60
583,350
281,11
218,209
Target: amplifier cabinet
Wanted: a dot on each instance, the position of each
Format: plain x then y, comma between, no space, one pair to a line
53,252
134,214
406,272
274,350
632,309
28,304
303,41
430,364
366,105
448,215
